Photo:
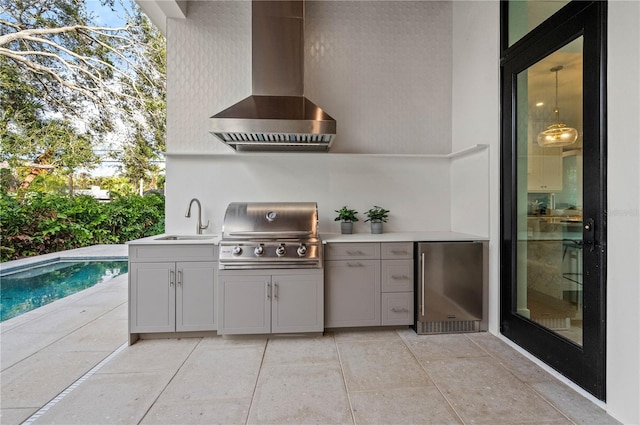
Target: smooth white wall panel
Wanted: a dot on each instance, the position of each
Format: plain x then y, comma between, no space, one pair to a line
476,119
416,190
623,218
470,193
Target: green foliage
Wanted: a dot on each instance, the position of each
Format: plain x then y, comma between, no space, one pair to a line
346,215
66,82
377,214
44,223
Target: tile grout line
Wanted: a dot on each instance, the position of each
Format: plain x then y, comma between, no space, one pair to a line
170,380
344,379
501,364
255,386
413,354
71,331
31,419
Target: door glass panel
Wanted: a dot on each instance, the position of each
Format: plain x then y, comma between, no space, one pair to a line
550,192
525,15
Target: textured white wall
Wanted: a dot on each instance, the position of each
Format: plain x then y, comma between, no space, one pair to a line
382,69
208,69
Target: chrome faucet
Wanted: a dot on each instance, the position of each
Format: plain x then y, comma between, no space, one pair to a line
199,226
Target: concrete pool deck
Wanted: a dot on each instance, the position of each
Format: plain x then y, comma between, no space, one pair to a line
49,358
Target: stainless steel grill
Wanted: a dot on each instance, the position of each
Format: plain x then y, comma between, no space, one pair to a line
270,235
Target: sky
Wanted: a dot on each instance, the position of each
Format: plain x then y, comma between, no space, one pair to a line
104,16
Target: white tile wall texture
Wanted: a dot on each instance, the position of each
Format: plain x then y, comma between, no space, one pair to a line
208,69
381,68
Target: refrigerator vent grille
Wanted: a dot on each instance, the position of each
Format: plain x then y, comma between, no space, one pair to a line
448,327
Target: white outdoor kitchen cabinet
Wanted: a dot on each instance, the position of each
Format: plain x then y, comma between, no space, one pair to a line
369,284
285,301
172,288
544,169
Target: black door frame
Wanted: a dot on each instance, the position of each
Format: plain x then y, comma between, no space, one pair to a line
585,365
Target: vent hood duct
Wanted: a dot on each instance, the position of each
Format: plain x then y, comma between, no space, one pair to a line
277,116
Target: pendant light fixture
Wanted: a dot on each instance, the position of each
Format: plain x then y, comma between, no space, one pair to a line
557,134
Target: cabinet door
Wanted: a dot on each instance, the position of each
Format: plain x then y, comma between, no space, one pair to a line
544,169
397,275
298,303
195,296
245,304
397,308
352,293
152,299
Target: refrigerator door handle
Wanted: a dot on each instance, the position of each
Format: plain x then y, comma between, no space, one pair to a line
422,300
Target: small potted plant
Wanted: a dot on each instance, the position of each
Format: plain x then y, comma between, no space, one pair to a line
377,215
346,217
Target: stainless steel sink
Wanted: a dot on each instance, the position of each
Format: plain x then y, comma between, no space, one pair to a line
185,237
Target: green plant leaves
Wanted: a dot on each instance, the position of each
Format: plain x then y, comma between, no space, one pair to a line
44,223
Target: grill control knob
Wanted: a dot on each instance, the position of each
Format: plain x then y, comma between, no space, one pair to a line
281,250
302,250
259,250
237,250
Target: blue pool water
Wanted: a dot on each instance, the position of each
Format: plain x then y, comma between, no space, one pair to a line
28,289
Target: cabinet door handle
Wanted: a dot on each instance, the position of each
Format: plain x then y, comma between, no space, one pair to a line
399,277
268,290
422,292
354,265
180,277
275,290
400,310
172,277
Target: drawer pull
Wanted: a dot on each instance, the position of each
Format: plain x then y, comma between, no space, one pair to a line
399,252
399,310
358,252
354,265
400,277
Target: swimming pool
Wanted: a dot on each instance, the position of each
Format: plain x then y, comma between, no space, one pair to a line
25,289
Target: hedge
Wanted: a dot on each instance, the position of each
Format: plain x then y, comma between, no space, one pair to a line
44,223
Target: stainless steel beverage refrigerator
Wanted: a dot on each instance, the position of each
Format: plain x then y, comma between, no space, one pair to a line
451,287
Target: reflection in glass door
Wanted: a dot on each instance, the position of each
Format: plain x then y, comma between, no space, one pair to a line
549,193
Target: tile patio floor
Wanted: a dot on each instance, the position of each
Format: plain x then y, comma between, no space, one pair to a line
355,377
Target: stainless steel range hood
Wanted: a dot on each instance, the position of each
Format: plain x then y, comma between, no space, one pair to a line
277,116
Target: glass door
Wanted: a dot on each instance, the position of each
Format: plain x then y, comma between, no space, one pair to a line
549,199
553,197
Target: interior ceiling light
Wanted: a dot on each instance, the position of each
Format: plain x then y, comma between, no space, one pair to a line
557,134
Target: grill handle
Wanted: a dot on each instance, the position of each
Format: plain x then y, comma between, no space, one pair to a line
273,235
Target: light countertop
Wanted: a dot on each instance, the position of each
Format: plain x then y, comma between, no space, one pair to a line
434,236
173,239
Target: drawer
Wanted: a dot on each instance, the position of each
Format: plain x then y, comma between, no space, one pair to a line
397,275
352,251
393,251
397,308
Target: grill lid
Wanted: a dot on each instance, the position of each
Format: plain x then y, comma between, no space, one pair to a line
270,220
